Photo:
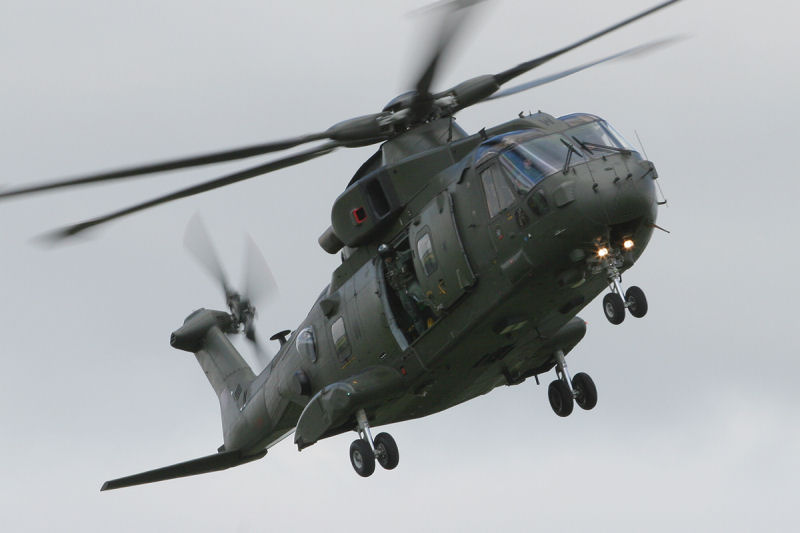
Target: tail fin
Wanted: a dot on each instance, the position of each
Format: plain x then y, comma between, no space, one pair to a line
203,333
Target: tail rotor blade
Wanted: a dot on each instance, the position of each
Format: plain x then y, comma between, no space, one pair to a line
259,283
262,355
199,244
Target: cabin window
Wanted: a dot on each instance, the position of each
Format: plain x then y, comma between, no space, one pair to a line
340,340
305,344
499,194
426,255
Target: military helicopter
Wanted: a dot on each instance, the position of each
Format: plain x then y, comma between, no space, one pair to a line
465,259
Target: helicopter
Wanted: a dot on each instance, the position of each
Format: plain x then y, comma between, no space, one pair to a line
465,260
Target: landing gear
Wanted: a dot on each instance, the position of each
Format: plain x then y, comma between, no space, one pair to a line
585,391
564,392
365,450
637,301
614,308
362,458
560,398
613,303
386,451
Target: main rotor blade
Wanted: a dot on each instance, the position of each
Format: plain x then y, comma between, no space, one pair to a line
195,161
626,54
197,189
198,242
507,75
451,22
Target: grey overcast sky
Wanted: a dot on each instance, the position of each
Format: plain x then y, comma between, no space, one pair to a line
696,428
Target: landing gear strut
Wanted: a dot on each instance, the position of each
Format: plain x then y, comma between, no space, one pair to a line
565,391
365,450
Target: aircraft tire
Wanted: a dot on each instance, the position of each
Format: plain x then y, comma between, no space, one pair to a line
637,300
362,458
386,451
614,308
586,391
560,398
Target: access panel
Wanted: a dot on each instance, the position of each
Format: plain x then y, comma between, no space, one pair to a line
440,262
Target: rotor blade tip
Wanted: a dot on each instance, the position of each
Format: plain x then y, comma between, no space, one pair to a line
61,236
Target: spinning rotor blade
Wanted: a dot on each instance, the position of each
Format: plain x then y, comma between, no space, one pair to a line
197,189
522,68
195,161
259,288
198,242
259,283
627,54
262,354
479,89
452,21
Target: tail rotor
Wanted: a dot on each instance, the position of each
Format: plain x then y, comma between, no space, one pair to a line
259,283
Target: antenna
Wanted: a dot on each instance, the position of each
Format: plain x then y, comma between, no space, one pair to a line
658,184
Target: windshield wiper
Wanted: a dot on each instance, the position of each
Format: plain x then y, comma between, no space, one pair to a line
588,146
570,150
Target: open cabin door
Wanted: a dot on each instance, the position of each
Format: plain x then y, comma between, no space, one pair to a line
440,262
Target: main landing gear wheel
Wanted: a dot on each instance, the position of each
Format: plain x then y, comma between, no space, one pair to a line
386,451
585,391
614,308
560,398
362,458
637,302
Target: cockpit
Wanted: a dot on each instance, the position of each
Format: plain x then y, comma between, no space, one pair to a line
528,156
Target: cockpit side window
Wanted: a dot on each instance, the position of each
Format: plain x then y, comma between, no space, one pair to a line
499,194
523,172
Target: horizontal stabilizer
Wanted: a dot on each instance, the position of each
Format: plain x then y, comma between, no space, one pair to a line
202,465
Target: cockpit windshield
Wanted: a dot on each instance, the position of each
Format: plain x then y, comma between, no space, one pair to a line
531,161
598,136
589,130
526,157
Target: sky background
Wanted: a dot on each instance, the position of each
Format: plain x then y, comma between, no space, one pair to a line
697,426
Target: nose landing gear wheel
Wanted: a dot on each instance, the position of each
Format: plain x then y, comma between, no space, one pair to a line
386,451
560,398
614,307
586,392
637,302
362,458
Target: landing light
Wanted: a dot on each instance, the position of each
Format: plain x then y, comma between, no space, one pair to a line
602,252
628,244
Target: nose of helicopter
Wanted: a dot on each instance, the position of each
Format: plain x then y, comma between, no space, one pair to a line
622,191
